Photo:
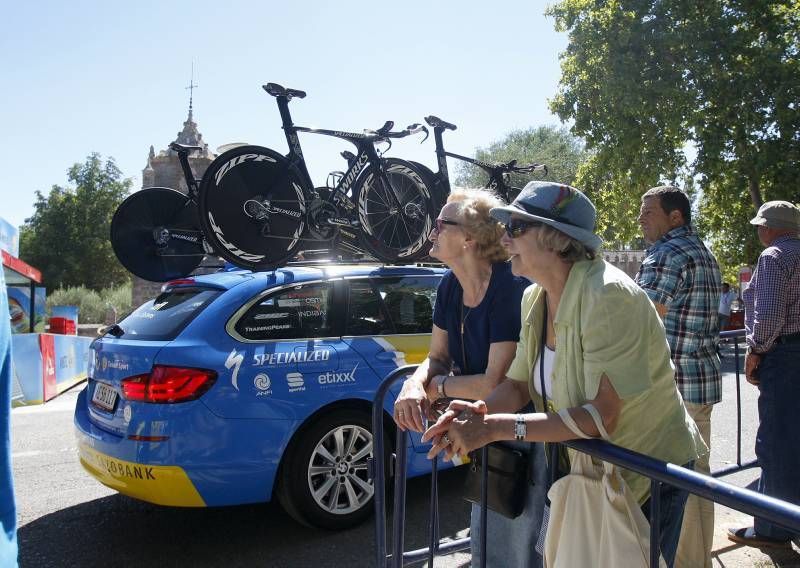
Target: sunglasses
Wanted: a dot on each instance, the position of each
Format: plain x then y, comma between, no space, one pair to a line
516,227
440,223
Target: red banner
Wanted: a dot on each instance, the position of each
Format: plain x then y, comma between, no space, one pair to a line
48,349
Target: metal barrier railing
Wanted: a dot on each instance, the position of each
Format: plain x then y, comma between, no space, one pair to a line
750,502
736,335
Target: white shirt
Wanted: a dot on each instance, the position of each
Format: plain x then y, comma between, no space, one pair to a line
725,301
549,358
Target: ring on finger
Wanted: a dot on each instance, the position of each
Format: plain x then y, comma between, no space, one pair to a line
447,439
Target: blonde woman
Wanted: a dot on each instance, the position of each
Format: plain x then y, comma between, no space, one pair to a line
476,326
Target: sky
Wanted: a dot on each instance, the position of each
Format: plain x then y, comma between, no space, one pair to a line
110,77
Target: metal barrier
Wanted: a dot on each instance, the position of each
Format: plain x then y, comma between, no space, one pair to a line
659,472
736,335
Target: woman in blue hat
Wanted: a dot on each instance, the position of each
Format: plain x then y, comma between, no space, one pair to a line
589,335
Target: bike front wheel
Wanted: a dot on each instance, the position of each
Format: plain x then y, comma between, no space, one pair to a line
253,207
395,212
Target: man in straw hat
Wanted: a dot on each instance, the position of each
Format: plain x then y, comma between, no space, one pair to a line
772,363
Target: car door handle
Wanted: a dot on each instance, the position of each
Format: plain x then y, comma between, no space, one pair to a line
389,355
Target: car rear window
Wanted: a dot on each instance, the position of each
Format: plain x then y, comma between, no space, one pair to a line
163,318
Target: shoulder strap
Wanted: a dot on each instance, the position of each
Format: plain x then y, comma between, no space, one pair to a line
570,423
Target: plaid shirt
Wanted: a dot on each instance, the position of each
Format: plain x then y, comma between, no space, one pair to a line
772,300
682,274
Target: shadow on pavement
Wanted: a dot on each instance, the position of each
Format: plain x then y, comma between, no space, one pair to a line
119,531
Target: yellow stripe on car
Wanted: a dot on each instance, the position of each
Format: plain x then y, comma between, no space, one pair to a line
162,485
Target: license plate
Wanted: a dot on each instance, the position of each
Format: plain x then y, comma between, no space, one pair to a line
104,396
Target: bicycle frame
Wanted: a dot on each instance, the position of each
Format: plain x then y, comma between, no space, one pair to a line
366,154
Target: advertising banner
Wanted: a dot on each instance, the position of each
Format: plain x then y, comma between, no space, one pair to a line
19,306
9,238
48,350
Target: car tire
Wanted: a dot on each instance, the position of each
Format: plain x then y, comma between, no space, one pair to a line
324,480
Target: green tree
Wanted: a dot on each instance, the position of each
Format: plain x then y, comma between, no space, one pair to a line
555,147
68,235
641,79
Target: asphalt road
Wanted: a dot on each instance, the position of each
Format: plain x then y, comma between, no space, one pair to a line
66,518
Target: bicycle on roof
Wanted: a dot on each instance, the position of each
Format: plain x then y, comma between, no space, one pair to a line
258,208
499,173
156,233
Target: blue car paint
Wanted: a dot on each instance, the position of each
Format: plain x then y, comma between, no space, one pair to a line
230,442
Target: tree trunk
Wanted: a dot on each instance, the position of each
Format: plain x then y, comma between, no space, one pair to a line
755,192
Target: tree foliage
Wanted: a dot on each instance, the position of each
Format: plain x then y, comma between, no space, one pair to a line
549,145
68,235
644,79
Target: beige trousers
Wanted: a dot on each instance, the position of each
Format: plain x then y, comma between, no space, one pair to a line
697,531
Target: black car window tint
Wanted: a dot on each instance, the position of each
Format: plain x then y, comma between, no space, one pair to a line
299,312
409,302
364,314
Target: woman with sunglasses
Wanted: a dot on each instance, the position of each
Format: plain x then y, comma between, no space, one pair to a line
602,342
476,325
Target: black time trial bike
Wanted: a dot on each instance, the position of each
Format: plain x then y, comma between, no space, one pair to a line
499,173
258,207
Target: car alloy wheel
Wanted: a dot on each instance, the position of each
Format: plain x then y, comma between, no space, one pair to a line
338,470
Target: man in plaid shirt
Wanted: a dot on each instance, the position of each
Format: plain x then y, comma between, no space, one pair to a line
683,280
772,363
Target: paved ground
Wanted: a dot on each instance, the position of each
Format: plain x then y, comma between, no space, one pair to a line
68,519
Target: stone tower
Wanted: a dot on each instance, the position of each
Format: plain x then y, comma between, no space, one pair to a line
164,170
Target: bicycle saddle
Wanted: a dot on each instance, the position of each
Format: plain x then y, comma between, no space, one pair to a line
437,122
277,90
183,148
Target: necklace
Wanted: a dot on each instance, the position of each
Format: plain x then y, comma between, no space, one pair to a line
464,317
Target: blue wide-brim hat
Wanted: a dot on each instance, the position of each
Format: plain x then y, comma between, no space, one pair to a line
560,206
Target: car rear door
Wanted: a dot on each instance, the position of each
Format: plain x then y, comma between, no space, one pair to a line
388,321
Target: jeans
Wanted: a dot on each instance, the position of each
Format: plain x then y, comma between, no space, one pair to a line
510,542
673,501
778,441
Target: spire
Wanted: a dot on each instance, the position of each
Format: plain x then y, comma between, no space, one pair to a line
191,89
190,136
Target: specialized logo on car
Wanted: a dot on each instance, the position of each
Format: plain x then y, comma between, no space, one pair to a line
234,361
296,382
263,384
332,378
285,357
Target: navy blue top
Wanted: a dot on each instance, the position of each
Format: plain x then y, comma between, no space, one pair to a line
496,318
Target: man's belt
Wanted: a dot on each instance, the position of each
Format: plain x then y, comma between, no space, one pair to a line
790,338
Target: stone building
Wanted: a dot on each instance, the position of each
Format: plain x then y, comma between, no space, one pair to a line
628,261
164,170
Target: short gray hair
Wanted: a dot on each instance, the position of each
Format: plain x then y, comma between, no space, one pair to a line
567,248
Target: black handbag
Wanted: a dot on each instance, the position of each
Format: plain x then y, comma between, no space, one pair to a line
507,471
506,481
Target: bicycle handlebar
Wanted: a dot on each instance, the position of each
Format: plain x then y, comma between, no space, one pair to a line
526,169
415,128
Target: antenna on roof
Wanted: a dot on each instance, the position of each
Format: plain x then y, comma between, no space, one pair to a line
191,89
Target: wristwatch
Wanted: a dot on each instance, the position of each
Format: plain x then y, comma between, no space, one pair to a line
520,428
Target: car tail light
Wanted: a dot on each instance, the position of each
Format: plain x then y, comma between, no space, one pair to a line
166,384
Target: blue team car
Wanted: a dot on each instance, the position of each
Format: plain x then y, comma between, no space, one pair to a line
241,387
